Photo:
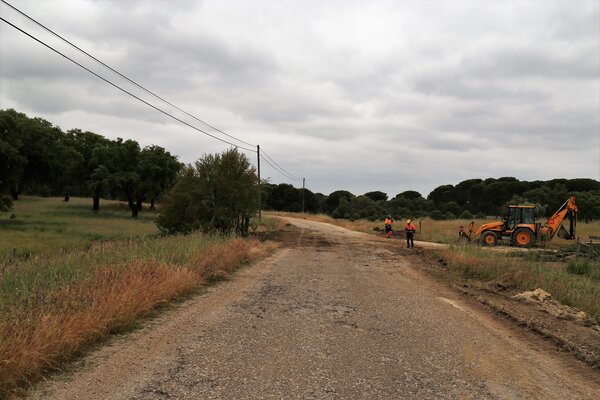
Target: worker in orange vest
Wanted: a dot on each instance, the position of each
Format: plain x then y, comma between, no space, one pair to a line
410,233
388,226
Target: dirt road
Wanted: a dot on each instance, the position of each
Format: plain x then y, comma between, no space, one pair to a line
339,315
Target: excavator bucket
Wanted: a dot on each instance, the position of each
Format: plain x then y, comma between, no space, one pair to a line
563,233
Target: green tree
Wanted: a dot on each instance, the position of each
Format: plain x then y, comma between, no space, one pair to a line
377,196
157,170
218,194
333,200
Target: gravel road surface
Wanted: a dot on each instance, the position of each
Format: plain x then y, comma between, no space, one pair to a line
337,315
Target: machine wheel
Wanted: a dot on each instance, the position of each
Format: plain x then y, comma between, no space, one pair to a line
489,238
522,237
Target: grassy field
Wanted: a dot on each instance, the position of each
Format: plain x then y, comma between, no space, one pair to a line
50,225
55,304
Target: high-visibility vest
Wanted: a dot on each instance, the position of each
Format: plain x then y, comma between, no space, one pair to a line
388,221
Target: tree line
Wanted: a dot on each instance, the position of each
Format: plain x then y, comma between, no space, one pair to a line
468,199
38,158
220,192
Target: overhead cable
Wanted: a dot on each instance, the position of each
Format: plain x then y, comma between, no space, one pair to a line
289,175
124,90
123,76
278,169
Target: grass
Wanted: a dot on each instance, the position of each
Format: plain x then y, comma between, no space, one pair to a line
54,305
50,225
575,283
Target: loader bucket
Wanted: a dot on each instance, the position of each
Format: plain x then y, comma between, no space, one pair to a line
563,233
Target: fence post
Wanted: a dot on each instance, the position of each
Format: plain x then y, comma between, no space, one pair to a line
420,235
14,255
577,250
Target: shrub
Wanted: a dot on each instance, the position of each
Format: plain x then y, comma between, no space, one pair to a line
218,194
5,203
44,191
466,215
436,215
449,215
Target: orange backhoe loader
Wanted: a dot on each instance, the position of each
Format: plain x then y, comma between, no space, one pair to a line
520,228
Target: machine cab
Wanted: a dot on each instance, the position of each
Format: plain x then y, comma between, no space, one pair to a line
519,216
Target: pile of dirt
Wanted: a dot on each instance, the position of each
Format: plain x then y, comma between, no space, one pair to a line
543,301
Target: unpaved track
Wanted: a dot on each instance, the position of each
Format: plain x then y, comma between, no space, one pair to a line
340,315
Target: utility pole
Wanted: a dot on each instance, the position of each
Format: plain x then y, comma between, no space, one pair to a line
303,181
259,185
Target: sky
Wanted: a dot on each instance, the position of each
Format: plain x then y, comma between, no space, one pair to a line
351,95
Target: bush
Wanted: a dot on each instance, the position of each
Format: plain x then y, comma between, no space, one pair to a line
219,194
480,215
44,191
436,215
449,215
466,215
5,203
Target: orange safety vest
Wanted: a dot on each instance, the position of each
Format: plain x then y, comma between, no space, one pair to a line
388,221
411,227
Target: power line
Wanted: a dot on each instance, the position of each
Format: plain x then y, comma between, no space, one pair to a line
279,167
268,159
281,171
123,90
123,76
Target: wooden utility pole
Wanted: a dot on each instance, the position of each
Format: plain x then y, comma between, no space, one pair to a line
303,181
259,185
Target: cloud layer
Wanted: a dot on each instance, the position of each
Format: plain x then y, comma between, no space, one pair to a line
359,96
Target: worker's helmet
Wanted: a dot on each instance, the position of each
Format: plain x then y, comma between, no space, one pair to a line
408,221
389,216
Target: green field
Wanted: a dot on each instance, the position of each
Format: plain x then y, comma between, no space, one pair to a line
39,225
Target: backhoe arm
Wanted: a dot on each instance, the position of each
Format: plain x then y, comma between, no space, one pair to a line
553,225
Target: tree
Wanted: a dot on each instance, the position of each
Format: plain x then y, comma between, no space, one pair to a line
333,200
157,170
218,194
377,196
126,178
410,194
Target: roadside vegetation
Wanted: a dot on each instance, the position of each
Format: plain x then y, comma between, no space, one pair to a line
53,306
573,282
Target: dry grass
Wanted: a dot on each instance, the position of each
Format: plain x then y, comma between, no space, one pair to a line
525,271
436,231
50,311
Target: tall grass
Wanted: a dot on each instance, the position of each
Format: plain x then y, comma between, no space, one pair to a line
49,225
54,306
521,273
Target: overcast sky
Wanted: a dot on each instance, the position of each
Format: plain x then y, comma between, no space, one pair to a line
354,95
